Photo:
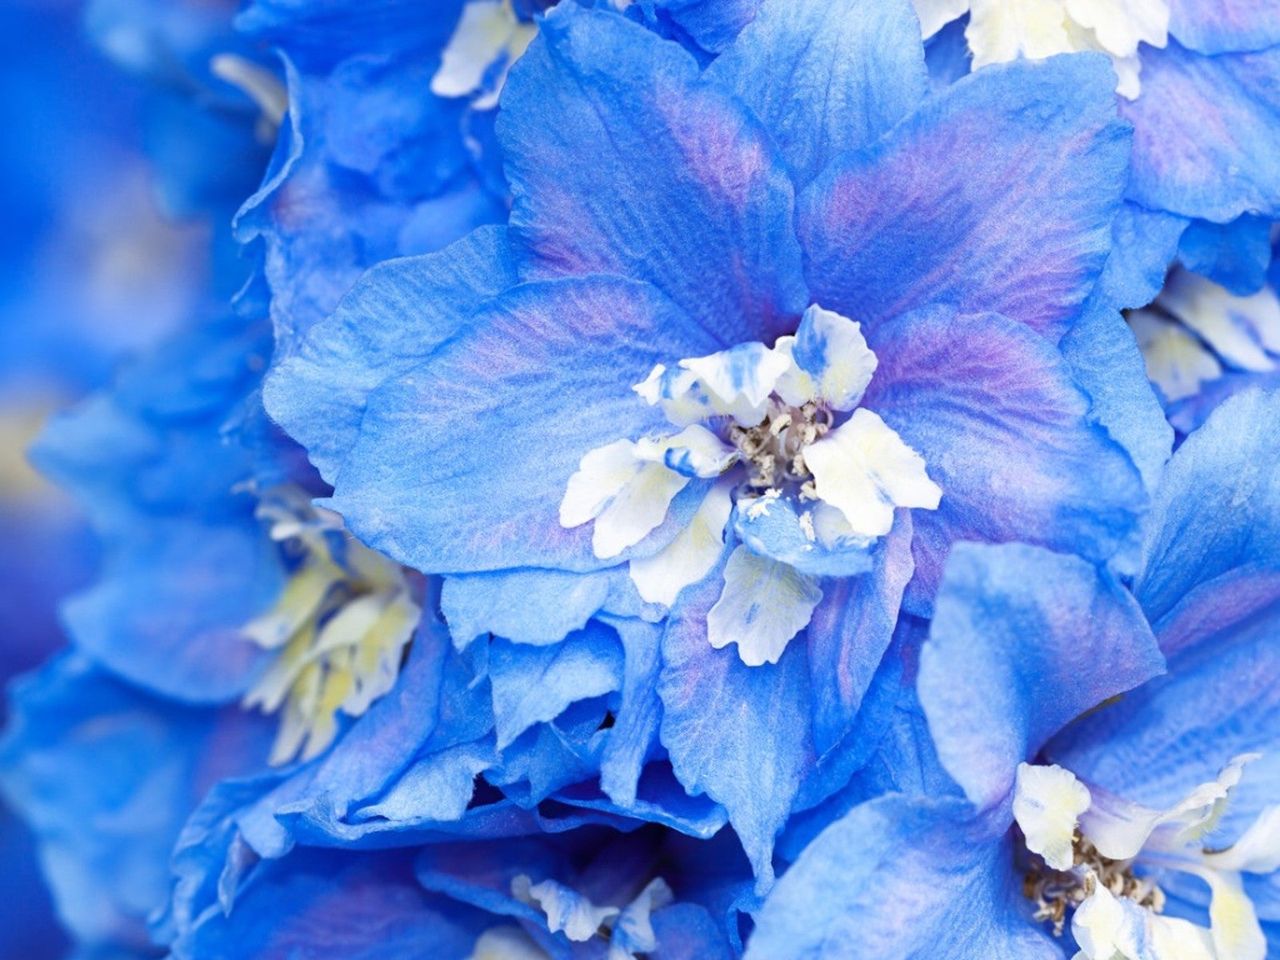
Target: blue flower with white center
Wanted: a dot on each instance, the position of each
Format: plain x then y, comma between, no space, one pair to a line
1129,737
809,494
476,409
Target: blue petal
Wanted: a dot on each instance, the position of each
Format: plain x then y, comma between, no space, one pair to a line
1106,362
824,77
1022,642
106,776
773,530
527,606
1220,699
1225,25
901,879
1197,117
947,55
712,24
850,631
647,173
541,377
1006,434
739,734
1143,245
635,730
536,684
998,194
344,906
1234,255
397,314
1219,505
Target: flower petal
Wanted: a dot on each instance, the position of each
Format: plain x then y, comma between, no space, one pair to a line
682,191
898,879
538,380
763,605
997,195
1006,434
824,76
1198,116
1022,642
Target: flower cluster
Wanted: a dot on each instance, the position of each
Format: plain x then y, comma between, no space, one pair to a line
649,479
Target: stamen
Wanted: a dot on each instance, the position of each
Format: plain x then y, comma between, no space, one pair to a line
1056,892
774,448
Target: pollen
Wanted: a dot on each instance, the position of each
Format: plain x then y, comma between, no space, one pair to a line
773,449
1057,892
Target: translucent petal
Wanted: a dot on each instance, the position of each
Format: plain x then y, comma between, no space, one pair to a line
638,508
1047,804
600,477
831,349
691,555
864,469
763,605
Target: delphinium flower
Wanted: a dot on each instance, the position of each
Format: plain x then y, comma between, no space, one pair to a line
1115,783
728,302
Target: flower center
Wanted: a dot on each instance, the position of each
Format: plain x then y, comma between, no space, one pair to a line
339,628
1056,892
773,449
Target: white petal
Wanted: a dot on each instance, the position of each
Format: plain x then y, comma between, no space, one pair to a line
763,605
506,943
864,469
693,452
483,32
1002,30
1120,829
636,510
936,14
601,475
1232,920
566,909
794,386
1257,850
1106,928
1047,804
739,380
633,932
1120,25
1176,362
1245,331
691,555
831,349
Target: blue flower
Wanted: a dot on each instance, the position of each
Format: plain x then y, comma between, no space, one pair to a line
670,228
1146,827
585,893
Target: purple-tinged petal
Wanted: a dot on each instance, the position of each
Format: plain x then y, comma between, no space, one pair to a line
682,188
1022,642
1199,116
826,76
1224,25
998,194
1006,434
